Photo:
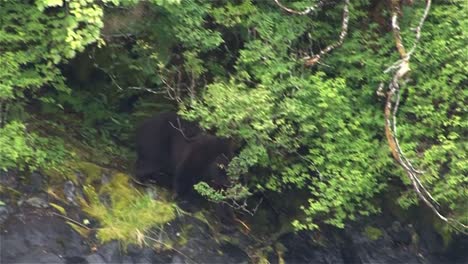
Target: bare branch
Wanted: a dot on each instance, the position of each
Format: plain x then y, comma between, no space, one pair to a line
310,61
72,221
419,27
241,206
173,85
396,29
170,247
400,69
295,12
180,128
149,90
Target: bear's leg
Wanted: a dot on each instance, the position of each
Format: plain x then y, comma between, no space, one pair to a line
183,185
145,170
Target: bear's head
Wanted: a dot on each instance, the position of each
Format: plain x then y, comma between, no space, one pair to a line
216,174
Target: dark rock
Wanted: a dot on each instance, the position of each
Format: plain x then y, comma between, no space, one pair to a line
80,176
147,255
128,260
110,252
39,201
367,251
38,256
177,260
106,178
29,235
95,259
22,235
202,247
430,239
457,252
4,213
36,183
69,192
76,260
400,235
234,254
9,178
301,248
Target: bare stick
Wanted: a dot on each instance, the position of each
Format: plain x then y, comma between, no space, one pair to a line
180,128
73,221
170,247
295,12
310,61
149,90
419,27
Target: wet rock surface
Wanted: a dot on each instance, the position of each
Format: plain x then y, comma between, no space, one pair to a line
32,232
29,237
35,236
38,237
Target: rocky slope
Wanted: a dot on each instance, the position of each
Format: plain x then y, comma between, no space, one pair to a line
33,232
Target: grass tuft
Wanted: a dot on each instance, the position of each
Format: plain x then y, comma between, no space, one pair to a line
125,214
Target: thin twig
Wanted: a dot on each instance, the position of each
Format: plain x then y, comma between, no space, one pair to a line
310,61
73,221
170,247
419,27
180,129
146,90
295,12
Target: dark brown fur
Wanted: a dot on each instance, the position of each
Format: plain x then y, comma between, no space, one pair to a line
175,152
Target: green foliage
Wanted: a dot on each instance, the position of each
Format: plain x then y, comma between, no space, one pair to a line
302,129
33,40
314,130
318,115
434,117
234,193
238,68
25,150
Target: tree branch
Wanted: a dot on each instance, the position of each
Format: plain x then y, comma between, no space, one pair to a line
146,89
295,12
400,69
311,61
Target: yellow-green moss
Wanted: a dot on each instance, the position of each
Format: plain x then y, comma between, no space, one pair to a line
91,171
128,214
372,233
8,192
280,249
60,175
184,235
259,255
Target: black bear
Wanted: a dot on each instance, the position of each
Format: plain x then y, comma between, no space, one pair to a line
167,145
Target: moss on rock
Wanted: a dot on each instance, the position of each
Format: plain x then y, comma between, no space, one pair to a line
372,233
92,172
